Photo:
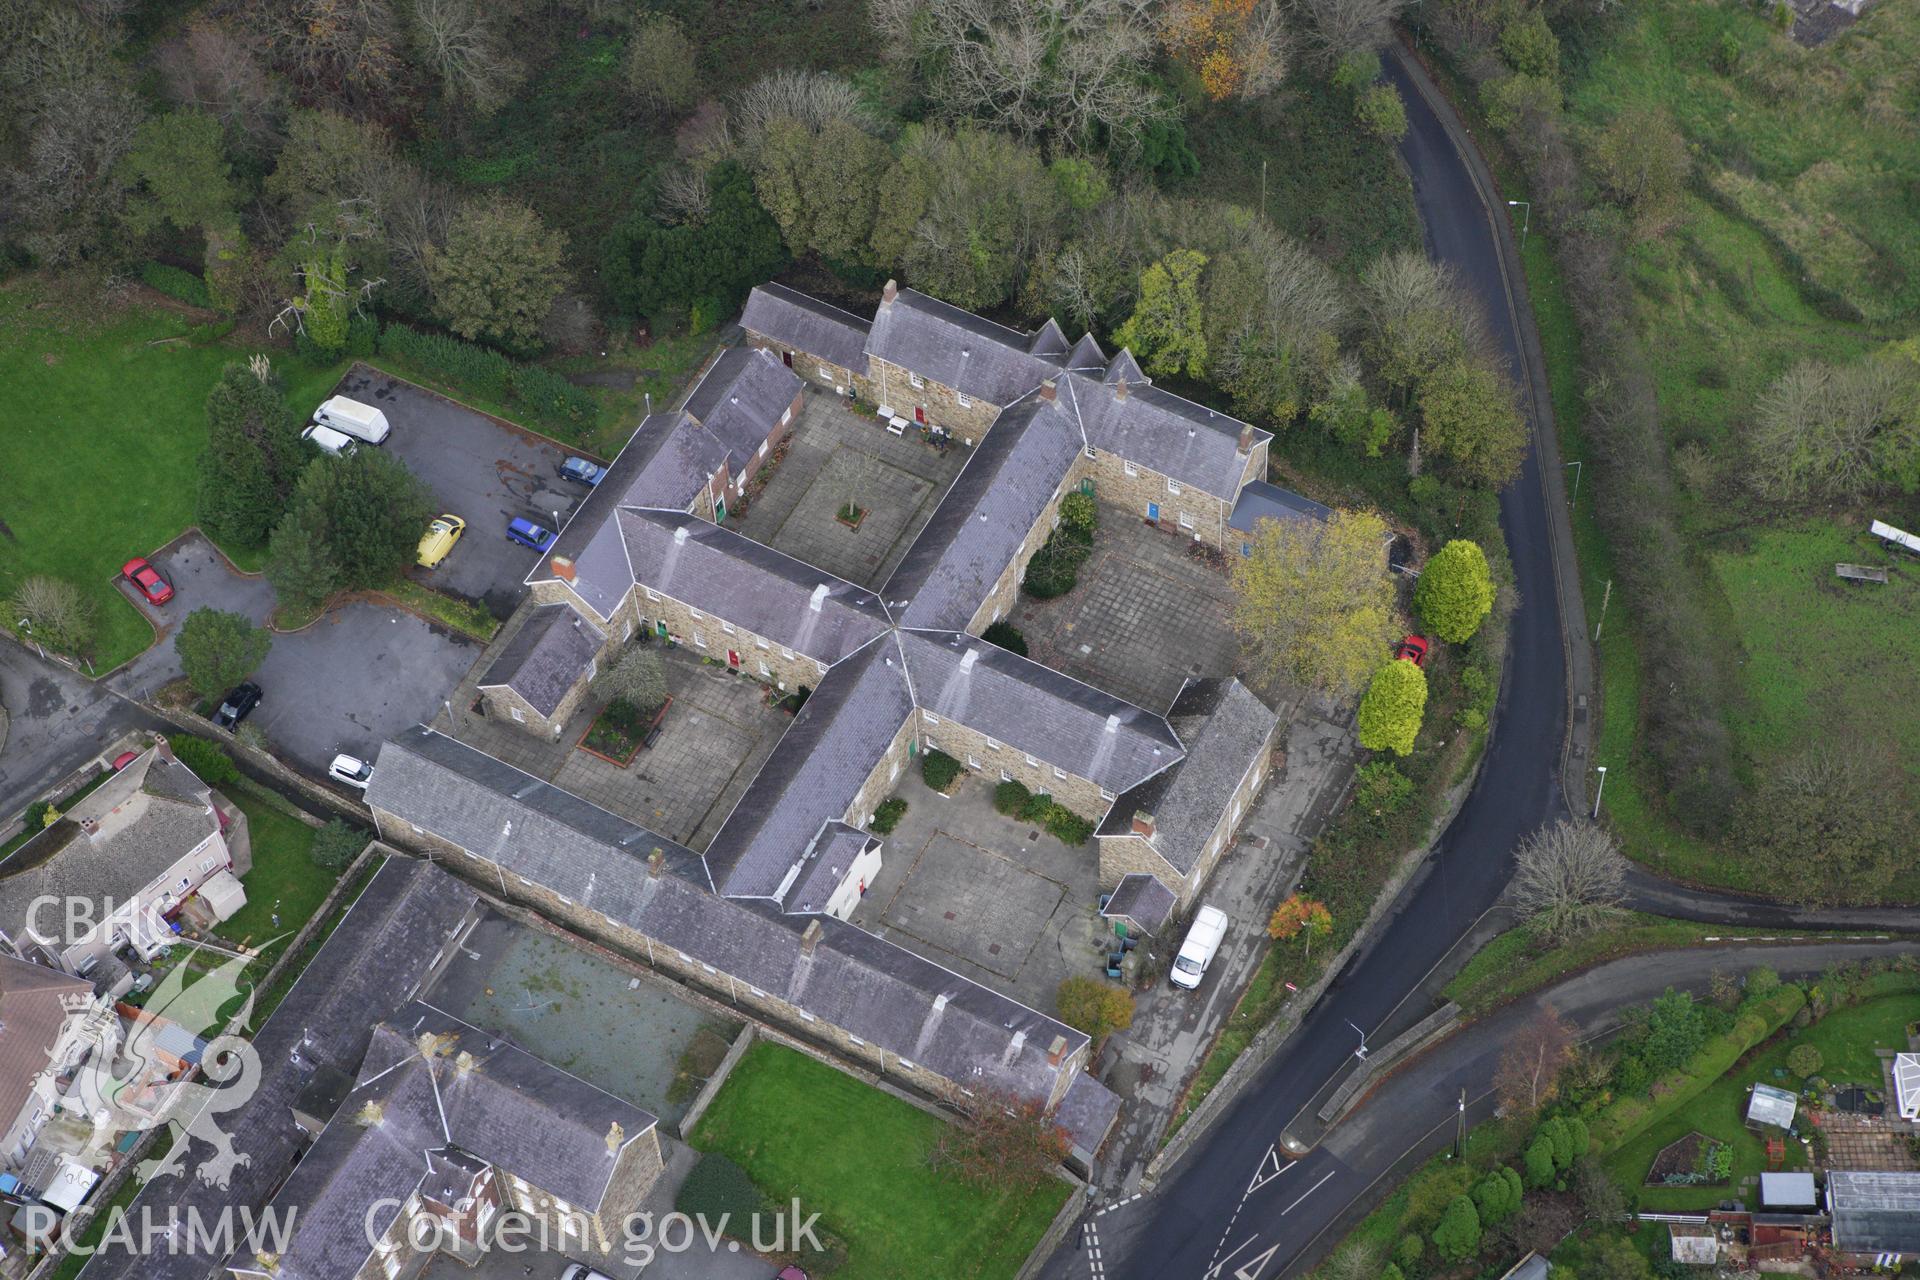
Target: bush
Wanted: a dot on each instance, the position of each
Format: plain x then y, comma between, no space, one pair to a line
1410,1252
38,815
1011,798
1804,1061
1078,511
1094,1006
1380,789
363,335
888,815
1457,1238
541,394
1036,807
1006,636
336,845
1066,826
939,769
551,399
716,1188
208,762
182,286
205,335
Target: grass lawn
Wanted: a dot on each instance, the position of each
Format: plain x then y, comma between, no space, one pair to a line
284,880
857,1157
1846,1040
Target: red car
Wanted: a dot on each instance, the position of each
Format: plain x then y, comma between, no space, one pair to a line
147,580
1413,649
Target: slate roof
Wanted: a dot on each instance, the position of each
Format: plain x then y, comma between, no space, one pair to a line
1086,354
647,473
31,1019
833,744
740,401
730,576
1037,710
956,348
1087,1112
546,657
1164,433
1875,1212
1225,728
977,529
112,843
375,959
793,319
822,867
1140,898
1263,501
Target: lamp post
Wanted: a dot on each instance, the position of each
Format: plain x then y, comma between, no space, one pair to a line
1526,218
1577,471
1361,1052
1599,790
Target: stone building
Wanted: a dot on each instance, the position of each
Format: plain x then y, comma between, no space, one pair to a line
539,677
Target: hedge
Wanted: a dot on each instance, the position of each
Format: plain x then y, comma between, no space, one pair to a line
1622,1121
210,763
1010,798
1066,826
541,394
182,286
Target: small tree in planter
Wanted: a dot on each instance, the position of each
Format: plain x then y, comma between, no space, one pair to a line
637,679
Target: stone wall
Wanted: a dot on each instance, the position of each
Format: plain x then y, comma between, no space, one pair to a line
708,636
999,602
634,1174
991,759
886,772
894,386
507,705
1132,487
822,373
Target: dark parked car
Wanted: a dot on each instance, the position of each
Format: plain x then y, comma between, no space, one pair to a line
528,534
147,580
237,705
580,471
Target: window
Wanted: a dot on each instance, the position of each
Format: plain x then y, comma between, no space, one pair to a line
765,670
1058,772
1090,452
805,1016
1005,776
523,880
1105,794
757,993
1131,470
727,627
697,615
905,1065
992,745
760,642
1030,760
519,716
786,416
932,718
699,641
629,634
709,968
786,653
931,745
1186,520
972,762
1246,549
1173,488
960,398
684,956
915,381
855,1040
651,593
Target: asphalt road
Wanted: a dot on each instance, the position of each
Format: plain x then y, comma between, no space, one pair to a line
1199,1218
57,720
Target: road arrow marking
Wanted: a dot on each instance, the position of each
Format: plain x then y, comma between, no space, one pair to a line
1270,1168
1248,1270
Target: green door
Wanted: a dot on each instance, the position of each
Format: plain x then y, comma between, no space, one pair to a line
720,511
1086,485
660,628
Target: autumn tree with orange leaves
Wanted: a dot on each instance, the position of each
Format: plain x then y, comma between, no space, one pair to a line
1300,917
1529,1071
1238,48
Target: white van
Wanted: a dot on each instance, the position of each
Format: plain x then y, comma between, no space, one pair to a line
350,417
1196,953
327,440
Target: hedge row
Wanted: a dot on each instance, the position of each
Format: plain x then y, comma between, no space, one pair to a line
183,286
542,395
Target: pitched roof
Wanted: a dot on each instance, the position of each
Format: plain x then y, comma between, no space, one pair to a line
822,867
31,1019
1087,1112
1225,728
1159,430
546,657
1140,898
750,585
660,466
977,529
812,776
1037,710
1875,1212
1086,354
956,348
1263,501
793,319
740,401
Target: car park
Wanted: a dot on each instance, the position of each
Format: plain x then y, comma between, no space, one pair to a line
528,534
351,770
329,441
437,542
350,417
147,580
580,471
237,705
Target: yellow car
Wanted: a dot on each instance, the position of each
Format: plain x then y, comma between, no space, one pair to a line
439,539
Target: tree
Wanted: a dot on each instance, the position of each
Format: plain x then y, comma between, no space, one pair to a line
636,678
1835,433
1313,603
1380,112
822,186
212,69
1418,317
1454,594
298,564
353,523
500,272
1238,48
1598,1193
662,66
1640,160
1538,1161
1300,917
1497,1196
1344,414
655,270
1166,329
459,43
1002,1139
336,845
1095,1007
178,175
1457,1238
1468,417
345,53
219,649
64,192
1336,28
1611,1256
253,457
54,614
1355,1260
1394,705
1804,1061
1829,826
334,172
1671,1031
1569,879
1528,1076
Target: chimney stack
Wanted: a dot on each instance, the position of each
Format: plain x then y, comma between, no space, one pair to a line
563,568
655,861
616,1135
811,938
1113,724
680,535
818,598
1120,389
1048,390
967,660
1143,824
1246,436
1057,1051
888,294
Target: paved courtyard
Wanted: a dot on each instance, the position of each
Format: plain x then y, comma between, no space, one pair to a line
717,734
838,456
1145,616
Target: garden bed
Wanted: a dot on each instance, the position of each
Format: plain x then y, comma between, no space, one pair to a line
1693,1161
618,733
850,515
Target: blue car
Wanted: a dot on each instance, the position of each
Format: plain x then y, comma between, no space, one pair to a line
580,471
529,534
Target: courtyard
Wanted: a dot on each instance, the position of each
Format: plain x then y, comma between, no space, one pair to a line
717,733
838,456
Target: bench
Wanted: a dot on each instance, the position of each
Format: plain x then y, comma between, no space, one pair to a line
897,427
1860,573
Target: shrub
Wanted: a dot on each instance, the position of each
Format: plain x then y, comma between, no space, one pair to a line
41,815
939,769
551,398
1410,1252
1094,1006
1457,1238
1392,708
1380,789
1066,826
1079,511
1036,807
1006,636
1539,1162
477,370
1804,1061
208,762
182,286
887,816
363,335
1455,591
717,1187
204,335
1011,798
336,845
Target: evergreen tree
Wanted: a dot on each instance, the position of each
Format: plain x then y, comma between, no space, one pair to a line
253,458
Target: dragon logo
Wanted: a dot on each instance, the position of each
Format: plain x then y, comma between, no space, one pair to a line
130,1086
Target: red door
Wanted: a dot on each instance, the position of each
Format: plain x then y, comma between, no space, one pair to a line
920,414
788,357
733,658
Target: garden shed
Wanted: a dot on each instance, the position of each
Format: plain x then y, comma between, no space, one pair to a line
1771,1106
1906,1085
1788,1191
1694,1243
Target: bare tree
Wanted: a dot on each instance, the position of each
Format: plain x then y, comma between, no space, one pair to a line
1002,1139
457,41
337,51
814,99
1418,317
1338,27
53,613
1529,1072
212,69
67,192
417,213
1828,433
1357,1260
660,64
684,194
1568,879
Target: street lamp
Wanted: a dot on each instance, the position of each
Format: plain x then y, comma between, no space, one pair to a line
1597,791
1526,218
1577,470
1361,1052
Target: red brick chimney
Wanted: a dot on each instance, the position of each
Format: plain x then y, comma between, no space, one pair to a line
563,568
1246,437
888,294
811,938
1120,389
655,861
1048,389
1143,824
1057,1051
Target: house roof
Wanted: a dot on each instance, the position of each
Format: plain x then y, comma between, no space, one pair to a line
1788,1191
1087,1112
31,1019
823,867
1225,729
660,466
1160,431
956,348
811,778
750,585
795,320
1263,501
1531,1267
1036,710
740,400
1875,1212
1771,1106
1086,355
546,657
1906,1085
112,844
977,529
1141,899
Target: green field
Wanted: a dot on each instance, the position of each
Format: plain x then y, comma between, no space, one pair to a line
859,1158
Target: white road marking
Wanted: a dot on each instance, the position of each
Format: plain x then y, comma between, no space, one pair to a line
1309,1191
1270,1168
